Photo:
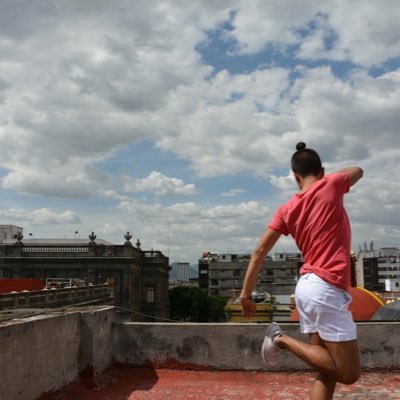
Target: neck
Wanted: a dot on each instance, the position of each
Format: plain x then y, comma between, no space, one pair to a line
305,183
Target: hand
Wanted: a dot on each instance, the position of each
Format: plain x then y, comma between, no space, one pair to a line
248,307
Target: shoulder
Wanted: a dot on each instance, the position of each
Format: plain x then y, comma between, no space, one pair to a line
339,179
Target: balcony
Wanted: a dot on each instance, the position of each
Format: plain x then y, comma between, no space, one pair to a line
84,354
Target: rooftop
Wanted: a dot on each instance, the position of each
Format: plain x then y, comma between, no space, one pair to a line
123,382
85,354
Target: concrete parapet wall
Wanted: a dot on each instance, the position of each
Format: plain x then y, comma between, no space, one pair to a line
235,346
43,353
95,353
39,354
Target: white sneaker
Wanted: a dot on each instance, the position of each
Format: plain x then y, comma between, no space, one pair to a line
270,351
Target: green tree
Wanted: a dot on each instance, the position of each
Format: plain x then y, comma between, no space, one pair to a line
217,309
192,304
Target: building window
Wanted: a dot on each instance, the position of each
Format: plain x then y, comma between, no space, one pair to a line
150,294
214,282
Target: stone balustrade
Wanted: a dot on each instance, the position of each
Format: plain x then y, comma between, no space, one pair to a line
48,298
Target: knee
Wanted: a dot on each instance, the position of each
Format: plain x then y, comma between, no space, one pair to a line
349,378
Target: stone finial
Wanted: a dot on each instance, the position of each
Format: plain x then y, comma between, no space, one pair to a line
92,238
128,238
19,236
138,244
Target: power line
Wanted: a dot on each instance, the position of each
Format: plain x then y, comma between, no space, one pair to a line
147,315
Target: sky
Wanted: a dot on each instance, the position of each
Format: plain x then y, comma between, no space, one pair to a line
176,120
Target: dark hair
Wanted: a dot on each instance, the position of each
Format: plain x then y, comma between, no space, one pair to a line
305,162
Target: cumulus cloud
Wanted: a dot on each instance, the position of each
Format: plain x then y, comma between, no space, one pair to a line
114,228
360,31
109,78
159,184
79,84
193,228
40,216
84,80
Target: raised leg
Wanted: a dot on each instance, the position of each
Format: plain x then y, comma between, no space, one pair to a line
340,361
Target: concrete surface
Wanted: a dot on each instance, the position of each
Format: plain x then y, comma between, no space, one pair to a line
38,354
96,337
235,346
124,383
45,352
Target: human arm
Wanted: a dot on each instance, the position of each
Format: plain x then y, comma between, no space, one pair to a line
265,244
354,174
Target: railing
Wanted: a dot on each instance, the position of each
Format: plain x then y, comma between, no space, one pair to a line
54,297
55,249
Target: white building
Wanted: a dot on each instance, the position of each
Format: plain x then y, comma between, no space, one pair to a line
389,268
181,271
8,232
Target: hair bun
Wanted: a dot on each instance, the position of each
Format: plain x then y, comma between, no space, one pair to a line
300,146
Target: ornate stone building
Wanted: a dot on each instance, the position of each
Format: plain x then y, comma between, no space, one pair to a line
139,277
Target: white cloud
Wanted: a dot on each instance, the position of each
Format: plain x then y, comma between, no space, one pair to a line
114,228
232,192
84,81
40,216
79,84
193,228
109,78
258,23
285,185
159,184
364,32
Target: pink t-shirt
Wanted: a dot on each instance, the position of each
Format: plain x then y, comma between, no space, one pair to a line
319,224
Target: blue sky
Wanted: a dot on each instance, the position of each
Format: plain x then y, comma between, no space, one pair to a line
176,121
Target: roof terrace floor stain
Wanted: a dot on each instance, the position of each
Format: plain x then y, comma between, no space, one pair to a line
128,383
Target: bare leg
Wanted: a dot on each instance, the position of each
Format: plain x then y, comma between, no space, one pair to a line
324,386
340,361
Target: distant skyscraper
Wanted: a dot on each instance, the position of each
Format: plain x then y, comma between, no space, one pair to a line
181,271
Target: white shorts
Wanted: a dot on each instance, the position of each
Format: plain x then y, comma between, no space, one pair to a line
323,308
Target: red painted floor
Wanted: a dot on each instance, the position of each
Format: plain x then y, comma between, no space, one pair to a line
125,383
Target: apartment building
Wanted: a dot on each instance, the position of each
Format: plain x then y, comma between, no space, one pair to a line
220,274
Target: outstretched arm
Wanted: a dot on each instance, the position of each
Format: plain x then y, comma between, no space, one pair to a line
265,244
354,174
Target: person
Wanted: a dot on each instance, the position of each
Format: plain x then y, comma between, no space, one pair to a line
315,217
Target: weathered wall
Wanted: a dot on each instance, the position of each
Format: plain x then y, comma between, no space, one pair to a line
95,353
235,346
43,353
38,354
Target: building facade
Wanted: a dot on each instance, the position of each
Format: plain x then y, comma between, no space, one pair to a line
8,232
139,277
181,271
220,274
379,270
